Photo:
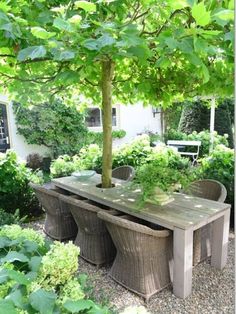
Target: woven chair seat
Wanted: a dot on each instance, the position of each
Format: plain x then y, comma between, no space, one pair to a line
212,190
95,243
59,223
125,173
143,254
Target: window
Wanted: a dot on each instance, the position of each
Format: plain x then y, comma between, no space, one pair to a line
94,117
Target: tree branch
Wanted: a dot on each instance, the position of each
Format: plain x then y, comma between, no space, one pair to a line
7,55
159,30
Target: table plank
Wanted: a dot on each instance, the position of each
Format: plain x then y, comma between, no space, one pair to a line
183,211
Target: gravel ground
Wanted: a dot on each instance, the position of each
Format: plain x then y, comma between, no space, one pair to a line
212,293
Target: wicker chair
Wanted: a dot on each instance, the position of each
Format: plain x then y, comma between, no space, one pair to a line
212,190
59,223
126,173
93,238
143,254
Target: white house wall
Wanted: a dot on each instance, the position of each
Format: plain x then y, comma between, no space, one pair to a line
135,119
17,141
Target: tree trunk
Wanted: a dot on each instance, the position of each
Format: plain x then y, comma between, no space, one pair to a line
106,84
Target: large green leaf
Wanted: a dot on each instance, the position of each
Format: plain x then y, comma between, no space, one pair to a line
62,24
40,32
200,14
35,262
3,275
63,55
91,44
85,5
43,301
16,297
225,15
33,52
7,307
178,4
14,256
4,241
77,306
30,246
18,277
105,40
205,72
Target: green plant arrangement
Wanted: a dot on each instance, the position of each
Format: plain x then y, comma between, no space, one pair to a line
41,277
165,172
14,190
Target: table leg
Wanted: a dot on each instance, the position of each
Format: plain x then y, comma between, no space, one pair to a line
220,238
183,262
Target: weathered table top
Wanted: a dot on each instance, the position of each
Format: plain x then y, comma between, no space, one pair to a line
183,211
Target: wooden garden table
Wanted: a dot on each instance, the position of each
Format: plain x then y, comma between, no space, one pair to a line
183,215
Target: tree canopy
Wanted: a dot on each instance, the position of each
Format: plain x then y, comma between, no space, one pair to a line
161,49
146,50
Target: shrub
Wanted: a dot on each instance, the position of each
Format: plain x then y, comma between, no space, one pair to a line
9,219
62,166
134,153
40,278
14,190
203,136
34,161
220,166
55,125
97,137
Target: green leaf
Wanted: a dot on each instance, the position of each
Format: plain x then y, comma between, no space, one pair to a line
186,45
85,5
7,307
4,242
30,246
43,301
18,277
194,59
142,52
14,256
16,297
105,40
91,44
35,262
178,4
225,15
77,306
163,62
62,24
231,5
205,72
32,53
3,275
63,55
41,33
200,14
75,19
171,42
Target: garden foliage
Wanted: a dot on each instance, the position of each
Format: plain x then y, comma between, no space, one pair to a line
219,165
40,277
14,190
55,125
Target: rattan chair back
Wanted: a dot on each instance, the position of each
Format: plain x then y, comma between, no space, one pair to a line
59,223
143,254
126,173
93,238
